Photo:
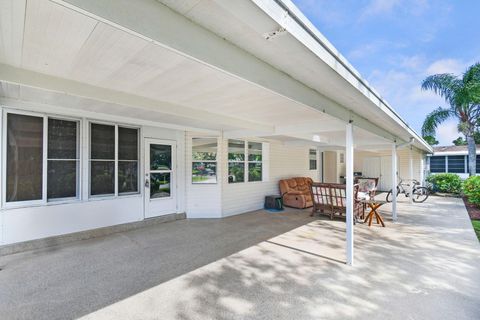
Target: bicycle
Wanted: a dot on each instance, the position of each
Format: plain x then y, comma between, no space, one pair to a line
420,194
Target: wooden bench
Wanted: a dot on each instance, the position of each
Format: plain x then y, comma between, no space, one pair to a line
330,199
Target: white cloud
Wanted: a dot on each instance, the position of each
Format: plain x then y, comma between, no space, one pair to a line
454,66
387,7
401,86
329,13
368,49
376,7
447,132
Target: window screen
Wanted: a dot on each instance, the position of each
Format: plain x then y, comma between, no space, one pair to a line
456,164
127,160
63,159
102,159
437,164
24,157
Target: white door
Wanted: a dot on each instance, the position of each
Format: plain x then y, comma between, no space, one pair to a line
371,167
160,177
385,182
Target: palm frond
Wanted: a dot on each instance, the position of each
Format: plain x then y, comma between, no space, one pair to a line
433,119
445,85
471,83
472,74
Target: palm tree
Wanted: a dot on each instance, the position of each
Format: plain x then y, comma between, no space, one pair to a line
463,97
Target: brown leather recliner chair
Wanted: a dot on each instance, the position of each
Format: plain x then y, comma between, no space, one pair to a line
296,192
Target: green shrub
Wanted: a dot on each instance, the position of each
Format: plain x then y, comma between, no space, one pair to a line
446,182
471,188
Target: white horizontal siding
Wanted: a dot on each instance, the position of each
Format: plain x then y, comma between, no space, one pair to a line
403,161
202,200
284,162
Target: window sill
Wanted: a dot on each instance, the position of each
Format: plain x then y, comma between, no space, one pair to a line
65,202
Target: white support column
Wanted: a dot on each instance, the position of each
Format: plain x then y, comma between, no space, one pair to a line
349,191
394,181
410,164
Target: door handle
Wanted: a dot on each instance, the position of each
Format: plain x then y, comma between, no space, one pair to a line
147,183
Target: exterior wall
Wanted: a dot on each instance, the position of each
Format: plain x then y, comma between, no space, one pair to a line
283,162
56,218
464,175
403,162
203,200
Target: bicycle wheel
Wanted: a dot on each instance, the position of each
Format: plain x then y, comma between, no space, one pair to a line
420,194
389,195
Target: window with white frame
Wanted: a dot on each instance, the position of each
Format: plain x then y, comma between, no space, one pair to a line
63,159
204,160
254,161
236,161
42,158
245,161
113,160
312,157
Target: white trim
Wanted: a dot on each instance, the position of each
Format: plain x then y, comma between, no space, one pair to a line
116,194
86,115
191,161
410,170
394,182
45,160
115,152
349,154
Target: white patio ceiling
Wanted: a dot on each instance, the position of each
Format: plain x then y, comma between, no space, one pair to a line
55,53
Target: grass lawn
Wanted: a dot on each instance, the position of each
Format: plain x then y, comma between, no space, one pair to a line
476,226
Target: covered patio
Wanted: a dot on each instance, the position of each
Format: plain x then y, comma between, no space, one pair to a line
257,265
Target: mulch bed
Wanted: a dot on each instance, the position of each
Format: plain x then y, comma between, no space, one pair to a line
473,210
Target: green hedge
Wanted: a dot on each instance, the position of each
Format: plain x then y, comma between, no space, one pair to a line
471,188
446,182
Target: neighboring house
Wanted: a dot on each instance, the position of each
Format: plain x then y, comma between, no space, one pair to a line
113,112
451,159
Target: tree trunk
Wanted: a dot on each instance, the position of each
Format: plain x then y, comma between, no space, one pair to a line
472,155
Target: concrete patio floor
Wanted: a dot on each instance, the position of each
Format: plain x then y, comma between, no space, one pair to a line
257,266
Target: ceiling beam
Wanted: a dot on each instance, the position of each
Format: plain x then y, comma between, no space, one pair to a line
159,24
38,80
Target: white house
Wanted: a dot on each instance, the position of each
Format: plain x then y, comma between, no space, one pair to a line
451,159
113,112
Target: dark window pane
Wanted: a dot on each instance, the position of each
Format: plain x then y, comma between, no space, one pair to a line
102,178
160,157
254,151
204,149
437,164
62,179
254,172
204,172
24,157
62,139
102,141
478,164
236,172
236,150
312,155
456,164
127,144
159,185
127,176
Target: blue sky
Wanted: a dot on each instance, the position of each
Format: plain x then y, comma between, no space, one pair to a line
395,44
